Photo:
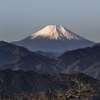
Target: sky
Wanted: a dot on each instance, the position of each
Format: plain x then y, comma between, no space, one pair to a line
21,18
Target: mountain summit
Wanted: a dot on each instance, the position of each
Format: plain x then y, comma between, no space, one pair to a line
54,38
56,32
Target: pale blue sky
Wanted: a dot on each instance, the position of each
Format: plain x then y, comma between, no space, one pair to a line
21,18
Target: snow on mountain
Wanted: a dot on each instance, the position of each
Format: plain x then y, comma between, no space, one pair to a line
56,32
54,38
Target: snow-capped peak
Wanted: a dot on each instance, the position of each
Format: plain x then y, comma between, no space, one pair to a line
56,32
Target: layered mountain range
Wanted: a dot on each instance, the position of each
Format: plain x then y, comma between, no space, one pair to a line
32,82
85,60
9,52
54,38
58,54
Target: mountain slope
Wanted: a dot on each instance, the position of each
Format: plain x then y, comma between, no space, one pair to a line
9,52
98,43
81,60
54,38
47,54
18,81
30,81
31,62
13,49
56,32
5,57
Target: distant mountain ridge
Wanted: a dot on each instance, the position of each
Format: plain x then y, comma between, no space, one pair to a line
46,54
30,62
85,60
9,52
54,38
13,49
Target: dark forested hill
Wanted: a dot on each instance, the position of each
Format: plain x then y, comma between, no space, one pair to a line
30,81
9,52
80,60
31,62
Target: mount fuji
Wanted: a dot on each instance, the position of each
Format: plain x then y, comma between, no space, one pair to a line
54,38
